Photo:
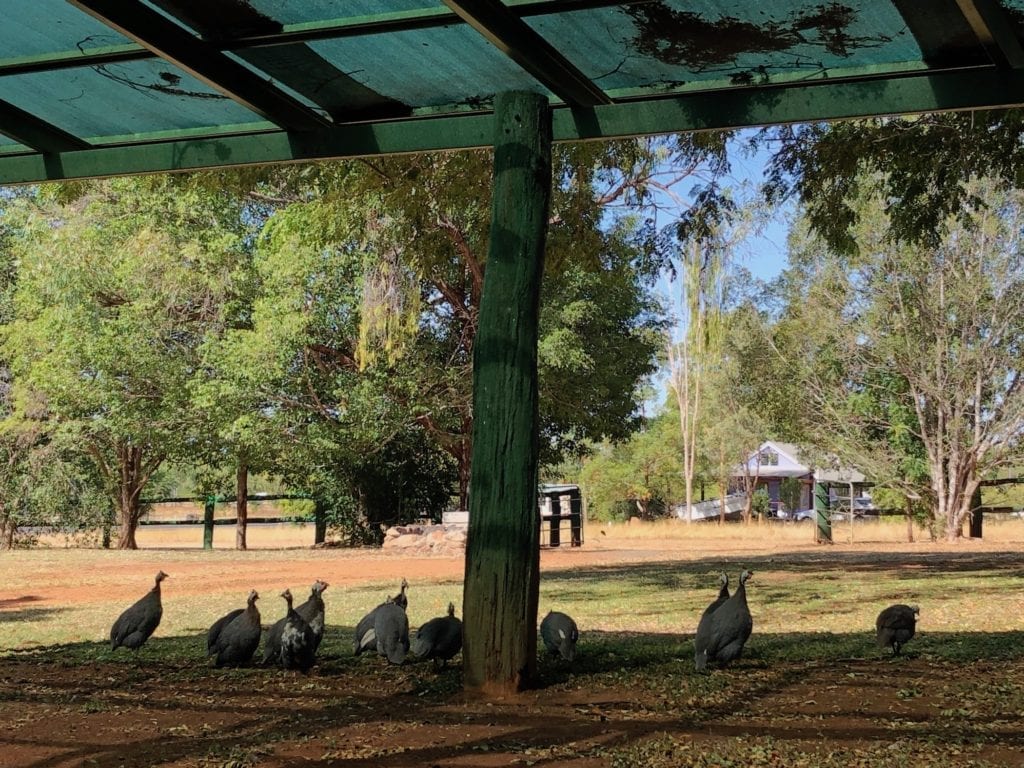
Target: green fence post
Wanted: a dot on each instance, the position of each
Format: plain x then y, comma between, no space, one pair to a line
823,532
320,520
208,522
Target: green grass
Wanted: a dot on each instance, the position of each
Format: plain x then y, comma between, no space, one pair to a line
812,689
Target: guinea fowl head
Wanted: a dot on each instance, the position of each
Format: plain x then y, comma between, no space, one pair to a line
287,595
253,597
160,576
451,609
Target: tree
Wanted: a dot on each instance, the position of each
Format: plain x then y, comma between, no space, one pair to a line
639,476
924,341
423,223
118,283
917,165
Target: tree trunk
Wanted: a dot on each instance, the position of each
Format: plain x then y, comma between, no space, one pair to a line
465,459
502,548
722,488
909,511
241,504
129,513
7,529
129,496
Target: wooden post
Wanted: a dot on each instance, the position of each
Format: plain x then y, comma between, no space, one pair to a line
320,522
211,501
502,554
823,523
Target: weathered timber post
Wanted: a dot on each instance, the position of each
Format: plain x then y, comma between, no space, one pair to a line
502,554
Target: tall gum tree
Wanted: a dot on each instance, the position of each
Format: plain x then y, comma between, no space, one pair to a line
923,340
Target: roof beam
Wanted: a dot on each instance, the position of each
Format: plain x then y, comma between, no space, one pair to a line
982,88
27,129
517,40
290,34
995,31
203,61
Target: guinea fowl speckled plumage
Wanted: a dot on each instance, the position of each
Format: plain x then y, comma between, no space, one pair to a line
312,611
896,625
213,634
391,631
730,627
137,623
439,639
236,641
560,634
365,638
298,646
704,626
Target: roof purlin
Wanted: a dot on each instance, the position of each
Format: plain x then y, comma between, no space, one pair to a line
994,31
27,129
978,88
203,61
517,40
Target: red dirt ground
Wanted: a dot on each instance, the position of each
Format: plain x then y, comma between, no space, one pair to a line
132,714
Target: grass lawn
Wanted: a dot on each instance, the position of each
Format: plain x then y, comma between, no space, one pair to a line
812,689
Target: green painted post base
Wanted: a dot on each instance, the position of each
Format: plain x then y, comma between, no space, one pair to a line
502,547
823,520
208,522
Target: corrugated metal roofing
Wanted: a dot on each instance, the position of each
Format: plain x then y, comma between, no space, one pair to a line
85,85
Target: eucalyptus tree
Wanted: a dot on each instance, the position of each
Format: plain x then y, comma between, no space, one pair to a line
912,350
422,224
118,284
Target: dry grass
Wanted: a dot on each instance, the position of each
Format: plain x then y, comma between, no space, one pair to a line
881,531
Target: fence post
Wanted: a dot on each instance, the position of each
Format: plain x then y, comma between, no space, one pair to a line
823,523
208,522
320,522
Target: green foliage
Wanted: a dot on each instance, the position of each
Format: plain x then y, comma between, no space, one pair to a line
918,165
641,476
119,283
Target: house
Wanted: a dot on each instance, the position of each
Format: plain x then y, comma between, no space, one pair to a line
775,461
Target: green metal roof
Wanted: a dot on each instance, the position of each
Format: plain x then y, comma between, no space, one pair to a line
102,87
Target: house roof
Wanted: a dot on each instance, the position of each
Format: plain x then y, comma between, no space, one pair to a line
790,464
104,87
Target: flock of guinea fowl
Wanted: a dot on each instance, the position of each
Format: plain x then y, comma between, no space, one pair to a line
292,642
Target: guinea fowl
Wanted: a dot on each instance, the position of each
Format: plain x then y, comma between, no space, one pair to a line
213,634
366,638
312,611
896,625
391,631
704,626
560,634
298,646
729,629
401,600
439,639
236,640
137,623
